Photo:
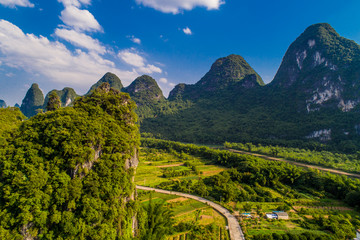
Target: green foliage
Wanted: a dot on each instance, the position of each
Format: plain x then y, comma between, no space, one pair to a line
65,173
109,78
53,102
255,180
256,171
67,97
10,119
347,162
157,221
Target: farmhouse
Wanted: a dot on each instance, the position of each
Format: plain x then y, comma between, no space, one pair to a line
282,215
357,234
278,215
271,216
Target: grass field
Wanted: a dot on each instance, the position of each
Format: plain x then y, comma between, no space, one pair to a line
153,163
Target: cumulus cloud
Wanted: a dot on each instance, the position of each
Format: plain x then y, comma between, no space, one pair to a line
39,55
80,20
80,40
14,3
130,57
163,80
175,6
149,68
172,84
187,31
133,58
135,39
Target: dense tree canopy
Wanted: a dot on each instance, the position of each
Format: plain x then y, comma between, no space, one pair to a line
67,173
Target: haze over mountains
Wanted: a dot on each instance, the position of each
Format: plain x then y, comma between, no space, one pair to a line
314,95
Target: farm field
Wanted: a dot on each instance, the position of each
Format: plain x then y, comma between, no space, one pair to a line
179,166
188,212
312,213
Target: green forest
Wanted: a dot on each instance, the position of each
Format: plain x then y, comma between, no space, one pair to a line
67,173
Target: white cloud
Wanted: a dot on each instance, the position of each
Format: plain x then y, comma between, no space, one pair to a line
163,80
172,84
76,3
134,39
149,68
187,31
39,55
175,6
80,20
130,57
14,3
133,58
80,40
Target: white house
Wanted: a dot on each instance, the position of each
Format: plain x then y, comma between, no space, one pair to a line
357,234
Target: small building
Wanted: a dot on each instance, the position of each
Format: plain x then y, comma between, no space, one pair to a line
357,234
246,215
271,216
282,215
278,215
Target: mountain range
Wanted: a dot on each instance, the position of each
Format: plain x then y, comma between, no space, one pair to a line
314,95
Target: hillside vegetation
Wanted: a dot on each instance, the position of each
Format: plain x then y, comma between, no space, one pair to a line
67,173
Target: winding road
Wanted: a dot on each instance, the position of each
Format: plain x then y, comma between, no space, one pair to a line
234,227
297,163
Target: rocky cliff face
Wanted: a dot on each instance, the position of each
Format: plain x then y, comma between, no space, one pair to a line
322,69
67,96
110,78
226,72
34,100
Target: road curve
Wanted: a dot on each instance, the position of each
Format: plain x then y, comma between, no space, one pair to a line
296,163
234,227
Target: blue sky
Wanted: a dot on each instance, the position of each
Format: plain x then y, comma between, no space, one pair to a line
72,43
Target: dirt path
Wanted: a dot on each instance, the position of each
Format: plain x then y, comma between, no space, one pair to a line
297,163
234,227
170,165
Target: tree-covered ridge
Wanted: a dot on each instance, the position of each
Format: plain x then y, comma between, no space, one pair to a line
227,72
347,162
145,90
312,93
321,69
68,173
110,78
10,119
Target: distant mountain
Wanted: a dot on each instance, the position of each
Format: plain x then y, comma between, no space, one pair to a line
2,104
313,97
321,69
67,96
34,100
145,90
148,96
110,78
226,72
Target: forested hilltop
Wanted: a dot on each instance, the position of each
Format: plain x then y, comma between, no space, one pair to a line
314,98
68,173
